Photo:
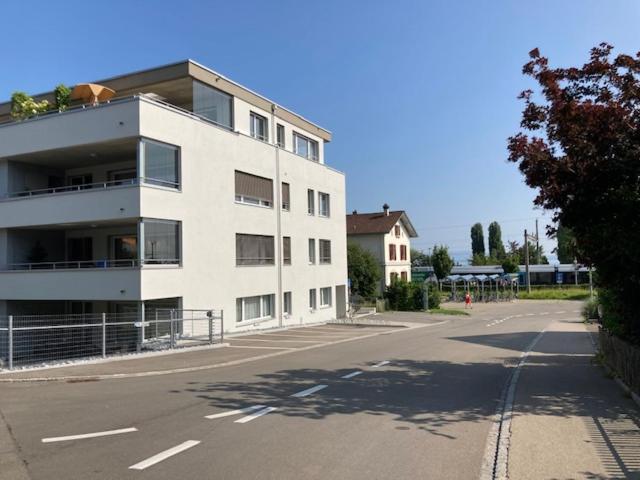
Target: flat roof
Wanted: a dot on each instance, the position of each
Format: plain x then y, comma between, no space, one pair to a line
129,83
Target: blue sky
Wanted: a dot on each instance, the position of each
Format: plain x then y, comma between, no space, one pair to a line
420,95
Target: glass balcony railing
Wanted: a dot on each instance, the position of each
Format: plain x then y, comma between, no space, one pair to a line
94,264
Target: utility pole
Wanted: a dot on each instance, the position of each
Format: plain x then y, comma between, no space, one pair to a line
526,261
537,244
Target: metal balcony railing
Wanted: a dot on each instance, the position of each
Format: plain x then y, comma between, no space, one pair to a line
90,187
95,264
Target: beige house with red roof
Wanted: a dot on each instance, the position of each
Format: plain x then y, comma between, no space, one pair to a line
387,235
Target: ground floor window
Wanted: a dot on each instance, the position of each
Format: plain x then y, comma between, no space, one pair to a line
403,276
254,308
312,299
286,303
325,297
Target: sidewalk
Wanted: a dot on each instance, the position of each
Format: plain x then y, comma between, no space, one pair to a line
570,420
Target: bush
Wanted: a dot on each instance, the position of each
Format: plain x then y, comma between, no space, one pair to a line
434,296
590,309
404,296
23,106
63,97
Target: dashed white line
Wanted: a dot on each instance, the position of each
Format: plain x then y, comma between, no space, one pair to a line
235,412
89,435
164,455
352,374
309,391
253,416
381,364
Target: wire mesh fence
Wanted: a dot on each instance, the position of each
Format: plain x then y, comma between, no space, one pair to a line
50,339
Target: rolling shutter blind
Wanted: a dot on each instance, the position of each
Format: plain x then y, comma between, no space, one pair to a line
285,196
253,186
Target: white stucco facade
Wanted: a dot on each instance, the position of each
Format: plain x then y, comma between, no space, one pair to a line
206,274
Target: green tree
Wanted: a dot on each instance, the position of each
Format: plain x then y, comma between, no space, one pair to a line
477,239
442,261
510,264
566,244
364,271
578,146
419,258
533,255
62,95
496,247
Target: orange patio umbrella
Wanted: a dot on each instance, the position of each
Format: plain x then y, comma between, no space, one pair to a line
91,93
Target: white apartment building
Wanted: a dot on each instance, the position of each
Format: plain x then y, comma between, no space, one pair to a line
387,236
185,190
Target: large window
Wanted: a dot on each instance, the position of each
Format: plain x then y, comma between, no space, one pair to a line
161,163
403,252
312,251
311,202
305,147
325,297
392,251
286,197
312,299
258,127
324,207
254,250
254,190
254,308
325,251
213,104
286,250
161,241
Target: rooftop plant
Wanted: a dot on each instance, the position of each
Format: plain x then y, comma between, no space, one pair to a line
23,106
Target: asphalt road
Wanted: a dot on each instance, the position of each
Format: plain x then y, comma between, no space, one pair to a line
427,413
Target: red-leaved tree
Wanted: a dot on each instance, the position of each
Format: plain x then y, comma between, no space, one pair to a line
580,148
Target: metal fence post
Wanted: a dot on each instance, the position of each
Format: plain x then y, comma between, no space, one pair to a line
211,329
221,326
104,335
172,328
10,342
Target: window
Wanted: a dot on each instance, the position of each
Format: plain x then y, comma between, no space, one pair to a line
286,250
254,190
125,176
286,197
325,251
124,247
254,250
311,202
403,252
396,230
254,308
312,251
161,163
393,276
324,209
161,241
305,147
312,299
80,249
258,127
280,135
286,304
392,251
213,104
325,297
403,276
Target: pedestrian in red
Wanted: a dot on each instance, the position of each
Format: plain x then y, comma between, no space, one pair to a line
467,300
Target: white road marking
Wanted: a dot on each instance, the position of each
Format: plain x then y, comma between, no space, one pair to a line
288,336
309,391
257,347
253,416
164,455
277,340
381,364
89,435
561,311
352,374
235,412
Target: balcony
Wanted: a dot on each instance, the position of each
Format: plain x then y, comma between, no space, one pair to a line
45,187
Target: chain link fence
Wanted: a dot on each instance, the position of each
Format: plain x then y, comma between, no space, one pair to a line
50,339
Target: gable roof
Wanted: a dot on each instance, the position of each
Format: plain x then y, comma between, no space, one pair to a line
378,222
